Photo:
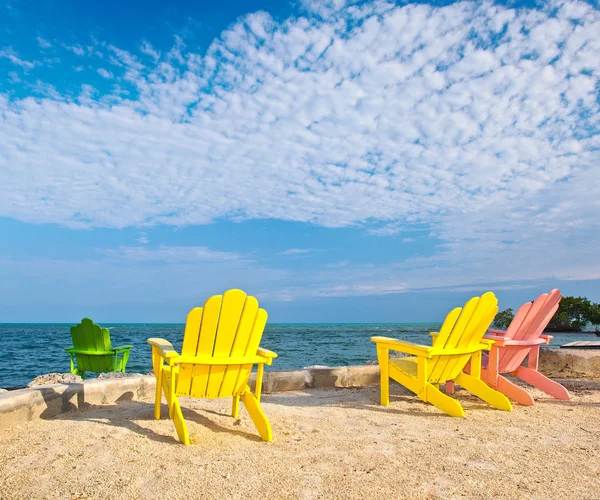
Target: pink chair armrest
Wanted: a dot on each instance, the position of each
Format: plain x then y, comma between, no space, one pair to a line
503,341
547,338
498,340
491,331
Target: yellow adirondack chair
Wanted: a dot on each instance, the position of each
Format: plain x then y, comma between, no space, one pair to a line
458,342
220,347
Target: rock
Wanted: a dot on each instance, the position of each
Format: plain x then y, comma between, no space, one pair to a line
54,378
315,367
112,375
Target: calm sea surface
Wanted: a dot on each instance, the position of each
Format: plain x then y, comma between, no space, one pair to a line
29,350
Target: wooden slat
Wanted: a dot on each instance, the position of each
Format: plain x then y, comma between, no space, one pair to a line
538,316
191,336
253,342
231,312
481,320
437,366
239,345
206,343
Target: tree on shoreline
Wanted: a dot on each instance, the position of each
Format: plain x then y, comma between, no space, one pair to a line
573,314
503,319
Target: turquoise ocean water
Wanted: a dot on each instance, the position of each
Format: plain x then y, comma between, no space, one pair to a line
29,350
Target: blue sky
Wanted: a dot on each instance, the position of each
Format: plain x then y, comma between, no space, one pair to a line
342,161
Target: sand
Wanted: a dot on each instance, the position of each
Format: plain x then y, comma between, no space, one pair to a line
328,444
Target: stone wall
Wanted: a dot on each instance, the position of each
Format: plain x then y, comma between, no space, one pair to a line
48,401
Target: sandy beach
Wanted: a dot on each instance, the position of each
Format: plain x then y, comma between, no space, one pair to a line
328,444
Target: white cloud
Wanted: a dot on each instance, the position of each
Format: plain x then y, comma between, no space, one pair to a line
105,73
146,48
476,121
165,253
296,251
43,43
143,239
13,57
76,49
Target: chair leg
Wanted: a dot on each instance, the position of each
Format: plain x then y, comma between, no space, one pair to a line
514,392
257,415
179,421
445,403
449,388
158,396
483,391
543,383
384,376
235,408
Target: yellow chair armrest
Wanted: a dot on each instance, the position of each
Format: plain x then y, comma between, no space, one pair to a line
266,353
488,343
457,351
403,346
165,348
220,361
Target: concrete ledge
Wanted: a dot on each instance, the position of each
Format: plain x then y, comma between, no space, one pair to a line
49,401
557,362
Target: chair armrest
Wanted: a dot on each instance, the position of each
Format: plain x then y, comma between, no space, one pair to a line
500,333
459,351
72,350
266,353
547,338
219,361
403,346
488,343
434,335
165,348
122,348
503,341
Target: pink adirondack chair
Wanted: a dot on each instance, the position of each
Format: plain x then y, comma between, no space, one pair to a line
522,339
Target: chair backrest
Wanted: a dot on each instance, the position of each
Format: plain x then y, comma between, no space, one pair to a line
463,328
528,324
229,325
87,336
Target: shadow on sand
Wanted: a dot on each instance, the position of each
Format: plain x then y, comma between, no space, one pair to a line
70,405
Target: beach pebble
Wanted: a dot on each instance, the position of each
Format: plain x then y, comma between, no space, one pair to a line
54,378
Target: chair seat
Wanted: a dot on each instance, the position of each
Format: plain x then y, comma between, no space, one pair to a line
407,365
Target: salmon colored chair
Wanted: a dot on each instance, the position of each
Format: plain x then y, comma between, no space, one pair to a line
522,340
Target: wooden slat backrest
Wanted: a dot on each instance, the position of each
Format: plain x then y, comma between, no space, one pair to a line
462,328
226,326
87,336
529,323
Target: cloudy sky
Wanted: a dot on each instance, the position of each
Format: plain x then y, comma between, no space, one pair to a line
342,161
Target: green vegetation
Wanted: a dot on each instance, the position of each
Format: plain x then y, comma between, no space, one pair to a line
503,319
573,314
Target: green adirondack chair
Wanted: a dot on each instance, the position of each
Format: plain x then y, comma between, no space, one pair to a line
91,347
